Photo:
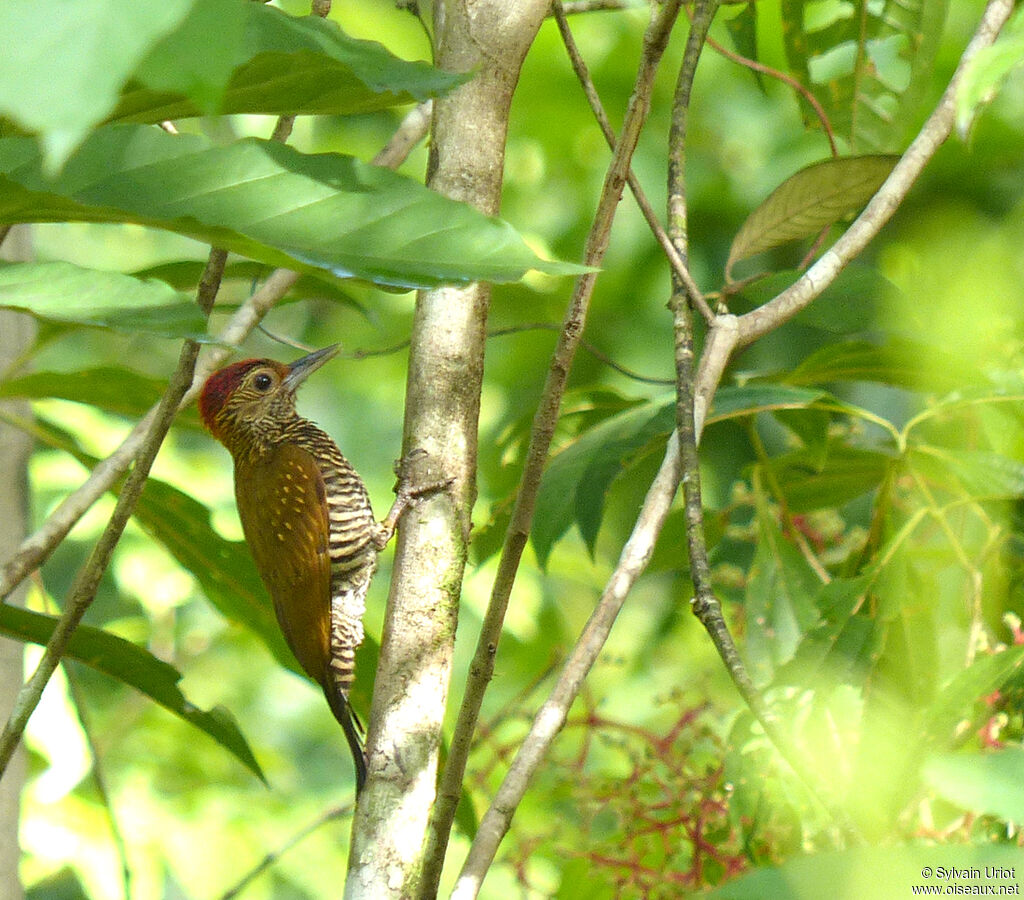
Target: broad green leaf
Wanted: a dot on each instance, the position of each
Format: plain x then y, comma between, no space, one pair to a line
113,389
978,472
267,201
576,481
137,668
987,69
747,399
184,275
868,68
897,362
984,783
62,292
955,698
97,43
844,647
236,56
810,200
878,873
780,598
847,473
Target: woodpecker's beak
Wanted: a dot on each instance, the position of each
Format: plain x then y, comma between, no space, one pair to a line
305,366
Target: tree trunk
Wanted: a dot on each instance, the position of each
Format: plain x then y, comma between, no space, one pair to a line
489,38
16,334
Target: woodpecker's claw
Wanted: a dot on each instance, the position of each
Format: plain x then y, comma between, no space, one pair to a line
409,488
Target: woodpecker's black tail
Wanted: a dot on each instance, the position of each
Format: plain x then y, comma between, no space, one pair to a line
353,729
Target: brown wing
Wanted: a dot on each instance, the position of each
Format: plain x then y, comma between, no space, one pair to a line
282,505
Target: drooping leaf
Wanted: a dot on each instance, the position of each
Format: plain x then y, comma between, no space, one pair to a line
109,388
576,482
856,874
980,473
267,201
136,667
897,362
98,42
810,200
184,275
235,56
62,292
987,69
867,68
780,598
744,400
847,473
984,783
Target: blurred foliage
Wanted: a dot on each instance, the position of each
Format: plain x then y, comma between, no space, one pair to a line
862,465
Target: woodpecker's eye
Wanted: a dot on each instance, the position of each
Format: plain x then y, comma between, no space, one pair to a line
262,382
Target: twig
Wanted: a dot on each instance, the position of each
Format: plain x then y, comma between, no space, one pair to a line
482,667
706,605
336,812
409,133
579,66
86,582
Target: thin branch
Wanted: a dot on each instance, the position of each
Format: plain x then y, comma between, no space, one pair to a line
482,851
325,818
410,132
679,267
706,605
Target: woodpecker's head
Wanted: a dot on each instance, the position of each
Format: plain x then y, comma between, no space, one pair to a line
248,402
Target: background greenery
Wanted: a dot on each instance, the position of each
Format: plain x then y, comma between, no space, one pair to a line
897,472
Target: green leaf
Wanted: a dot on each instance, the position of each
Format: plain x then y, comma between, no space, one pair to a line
982,474
747,399
984,783
137,668
184,275
868,69
236,56
877,873
267,201
812,199
575,483
96,44
844,647
780,598
956,697
62,292
113,389
847,473
987,69
897,362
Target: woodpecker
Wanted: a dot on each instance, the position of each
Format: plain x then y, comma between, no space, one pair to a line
307,519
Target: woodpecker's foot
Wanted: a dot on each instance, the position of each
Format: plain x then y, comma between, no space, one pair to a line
415,481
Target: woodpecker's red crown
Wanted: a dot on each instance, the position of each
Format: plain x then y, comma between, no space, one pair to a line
223,383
